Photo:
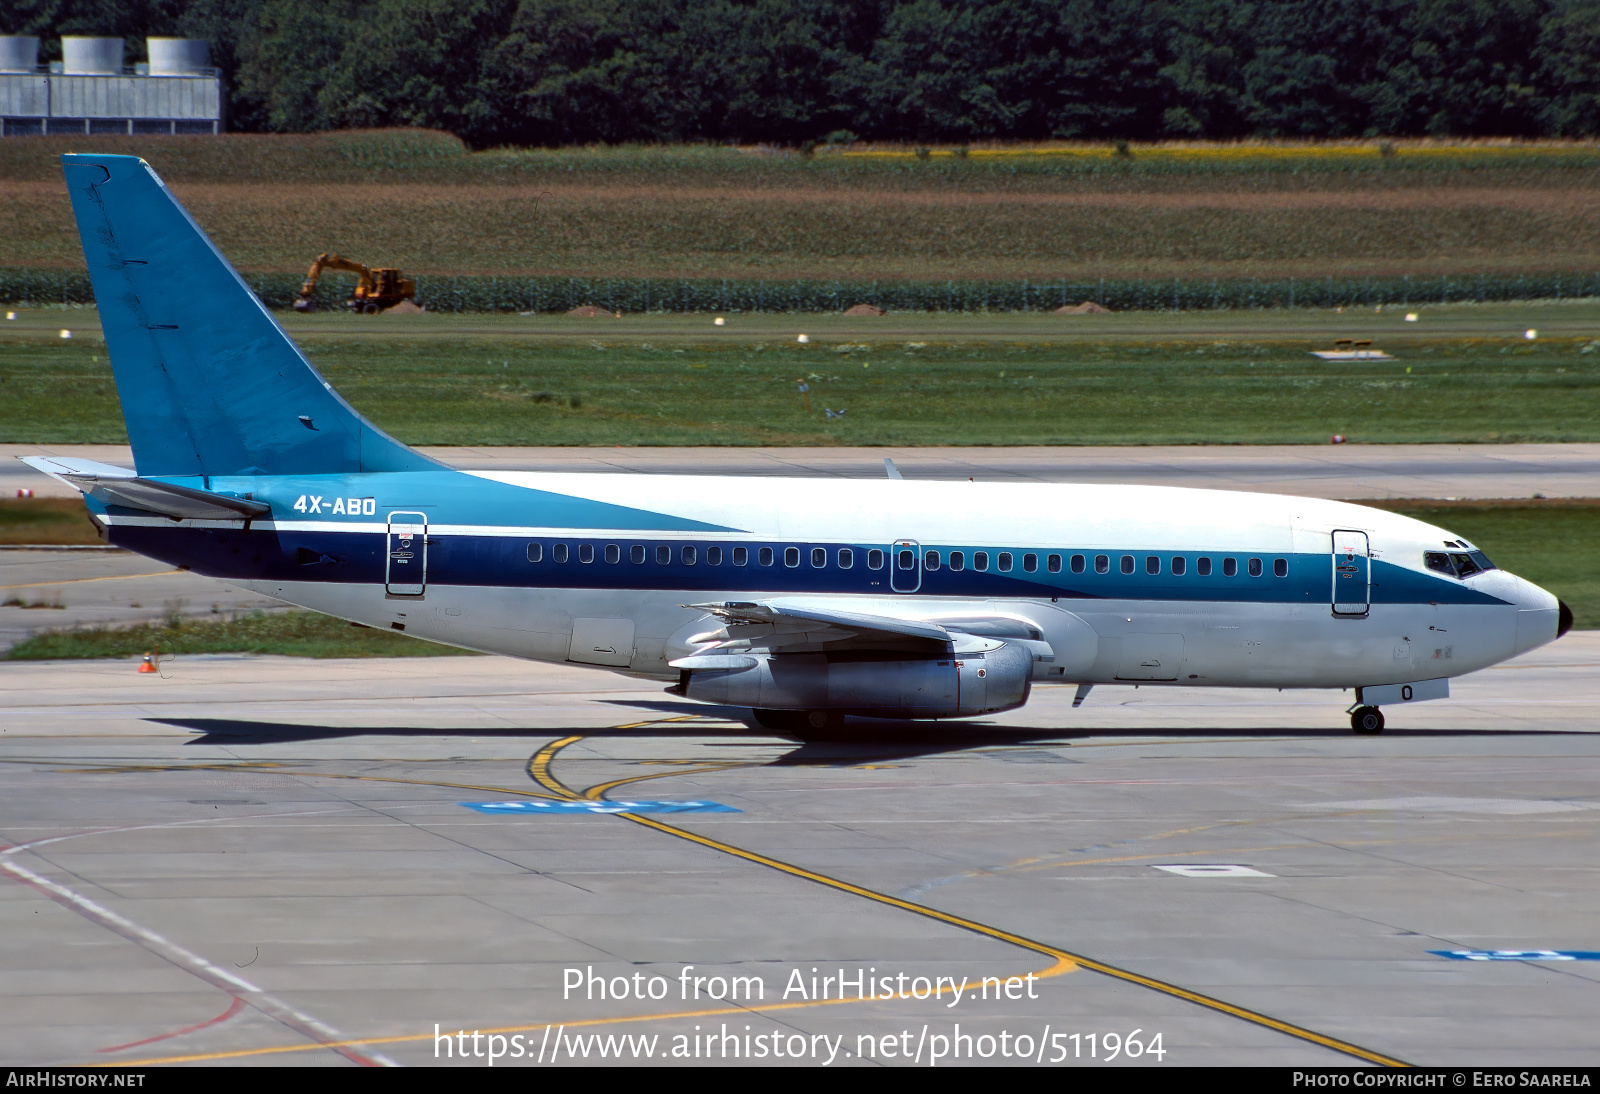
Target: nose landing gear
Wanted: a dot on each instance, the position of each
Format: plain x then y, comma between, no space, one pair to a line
1367,721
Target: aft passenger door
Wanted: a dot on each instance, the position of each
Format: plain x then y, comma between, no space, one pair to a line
1352,573
405,567
905,566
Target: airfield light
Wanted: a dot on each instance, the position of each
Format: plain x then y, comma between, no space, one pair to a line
803,338
1530,334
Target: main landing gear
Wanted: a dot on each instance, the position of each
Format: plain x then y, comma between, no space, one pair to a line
1367,721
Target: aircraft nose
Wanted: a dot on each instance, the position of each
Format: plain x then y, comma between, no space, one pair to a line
1541,617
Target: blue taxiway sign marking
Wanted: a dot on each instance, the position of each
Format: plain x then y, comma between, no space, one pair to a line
1519,955
600,807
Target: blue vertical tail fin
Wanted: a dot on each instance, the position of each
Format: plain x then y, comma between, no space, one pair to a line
209,383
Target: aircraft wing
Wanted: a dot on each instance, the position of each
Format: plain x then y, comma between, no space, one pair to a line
119,486
797,627
775,624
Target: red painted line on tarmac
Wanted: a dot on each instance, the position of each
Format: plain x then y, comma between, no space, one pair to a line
233,1008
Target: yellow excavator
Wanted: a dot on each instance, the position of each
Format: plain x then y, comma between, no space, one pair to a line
375,290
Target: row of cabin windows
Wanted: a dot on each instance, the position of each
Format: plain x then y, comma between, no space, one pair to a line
1005,560
691,555
845,558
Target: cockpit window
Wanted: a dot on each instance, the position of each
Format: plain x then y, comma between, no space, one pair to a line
1457,563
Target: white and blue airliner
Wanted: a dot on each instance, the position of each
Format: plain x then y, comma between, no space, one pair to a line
806,600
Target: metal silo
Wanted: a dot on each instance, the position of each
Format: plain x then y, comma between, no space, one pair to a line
91,56
179,56
18,53
91,92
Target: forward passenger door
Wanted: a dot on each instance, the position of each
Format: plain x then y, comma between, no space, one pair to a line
1352,573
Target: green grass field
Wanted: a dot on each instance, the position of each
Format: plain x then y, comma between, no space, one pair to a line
45,520
1462,375
287,634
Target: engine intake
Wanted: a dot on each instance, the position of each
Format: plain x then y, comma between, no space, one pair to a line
860,682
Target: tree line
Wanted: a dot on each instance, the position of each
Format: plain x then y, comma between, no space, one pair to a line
547,72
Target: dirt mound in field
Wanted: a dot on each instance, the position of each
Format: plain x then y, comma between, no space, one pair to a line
1088,307
589,311
405,307
865,309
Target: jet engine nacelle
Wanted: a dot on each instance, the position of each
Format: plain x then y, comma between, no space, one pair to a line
947,686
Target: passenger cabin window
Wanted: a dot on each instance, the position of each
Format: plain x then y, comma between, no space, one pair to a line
1102,564
1280,567
1077,564
980,560
636,554
1152,564
1030,562
1127,564
663,555
1053,564
874,559
791,557
1202,566
741,556
819,557
958,561
1230,566
1179,565
535,552
931,560
713,556
613,553
558,553
847,558
764,556
1255,567
906,560
687,555
1005,562
586,553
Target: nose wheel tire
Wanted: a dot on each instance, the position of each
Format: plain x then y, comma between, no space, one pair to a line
1367,721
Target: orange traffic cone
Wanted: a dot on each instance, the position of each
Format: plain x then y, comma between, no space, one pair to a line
148,664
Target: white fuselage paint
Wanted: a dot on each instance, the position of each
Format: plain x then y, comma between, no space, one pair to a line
1217,642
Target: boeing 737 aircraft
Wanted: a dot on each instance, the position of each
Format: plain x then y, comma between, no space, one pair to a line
803,599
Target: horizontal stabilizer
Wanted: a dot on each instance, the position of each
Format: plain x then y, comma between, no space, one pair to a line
118,486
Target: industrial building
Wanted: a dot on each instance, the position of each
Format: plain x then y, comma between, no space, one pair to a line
91,91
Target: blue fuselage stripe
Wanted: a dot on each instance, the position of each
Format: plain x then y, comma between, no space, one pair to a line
502,561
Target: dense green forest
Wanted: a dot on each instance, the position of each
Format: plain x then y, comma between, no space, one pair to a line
548,72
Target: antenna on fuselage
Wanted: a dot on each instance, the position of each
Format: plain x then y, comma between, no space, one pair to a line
890,469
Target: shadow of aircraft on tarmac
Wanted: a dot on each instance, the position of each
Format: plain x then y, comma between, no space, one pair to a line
860,741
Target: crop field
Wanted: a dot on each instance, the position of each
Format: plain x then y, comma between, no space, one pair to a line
420,201
979,381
